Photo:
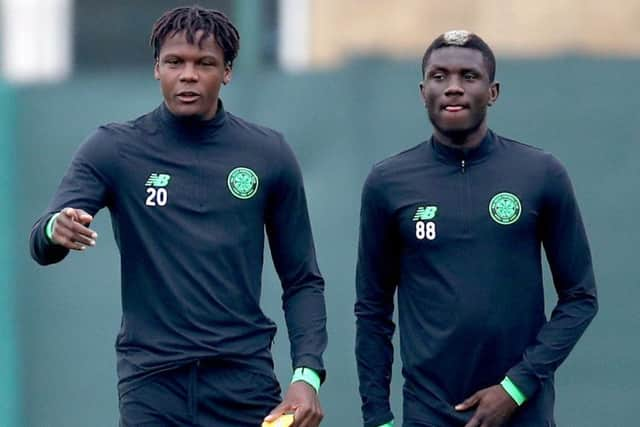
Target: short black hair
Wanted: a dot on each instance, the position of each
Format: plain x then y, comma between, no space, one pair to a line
192,19
466,39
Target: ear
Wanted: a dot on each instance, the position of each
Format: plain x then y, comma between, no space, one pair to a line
228,72
494,92
156,70
422,94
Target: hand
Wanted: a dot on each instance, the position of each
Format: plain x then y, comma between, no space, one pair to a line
493,407
301,400
70,231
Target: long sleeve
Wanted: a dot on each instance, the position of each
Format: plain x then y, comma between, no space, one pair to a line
84,186
376,281
291,242
569,258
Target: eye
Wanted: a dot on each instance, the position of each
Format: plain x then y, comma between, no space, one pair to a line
172,61
207,61
470,76
437,76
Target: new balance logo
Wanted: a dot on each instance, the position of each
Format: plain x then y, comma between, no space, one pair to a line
425,213
158,180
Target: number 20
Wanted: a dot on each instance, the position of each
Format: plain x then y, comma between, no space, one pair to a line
425,230
156,197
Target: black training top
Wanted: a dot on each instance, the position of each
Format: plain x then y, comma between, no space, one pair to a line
459,235
189,203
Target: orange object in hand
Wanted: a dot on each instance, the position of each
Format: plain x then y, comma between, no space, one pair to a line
285,420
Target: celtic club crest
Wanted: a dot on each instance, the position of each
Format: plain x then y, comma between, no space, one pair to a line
242,182
505,208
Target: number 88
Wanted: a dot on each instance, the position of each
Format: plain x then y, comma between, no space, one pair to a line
425,230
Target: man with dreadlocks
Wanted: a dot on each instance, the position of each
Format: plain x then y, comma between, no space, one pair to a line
456,226
190,188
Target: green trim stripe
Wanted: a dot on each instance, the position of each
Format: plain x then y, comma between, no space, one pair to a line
513,391
49,230
307,375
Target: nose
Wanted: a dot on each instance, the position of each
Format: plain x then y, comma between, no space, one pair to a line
188,72
454,88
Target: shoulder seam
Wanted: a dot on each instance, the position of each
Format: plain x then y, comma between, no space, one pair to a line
401,153
522,144
261,128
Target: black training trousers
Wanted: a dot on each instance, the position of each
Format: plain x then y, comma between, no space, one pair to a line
203,393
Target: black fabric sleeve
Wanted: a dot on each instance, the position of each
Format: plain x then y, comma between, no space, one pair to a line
84,186
291,243
568,254
376,281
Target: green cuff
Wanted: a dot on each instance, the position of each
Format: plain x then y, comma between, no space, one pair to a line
389,424
513,391
307,375
48,231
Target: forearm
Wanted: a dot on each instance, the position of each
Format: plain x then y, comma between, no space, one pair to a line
374,357
305,316
554,342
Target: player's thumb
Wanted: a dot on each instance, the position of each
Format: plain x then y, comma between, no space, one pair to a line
83,217
70,213
276,412
468,403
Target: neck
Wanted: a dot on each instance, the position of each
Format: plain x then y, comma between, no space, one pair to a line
463,139
190,125
196,118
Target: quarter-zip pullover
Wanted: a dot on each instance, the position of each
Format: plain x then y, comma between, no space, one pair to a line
459,234
189,203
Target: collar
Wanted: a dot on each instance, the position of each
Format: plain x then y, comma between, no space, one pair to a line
190,126
451,154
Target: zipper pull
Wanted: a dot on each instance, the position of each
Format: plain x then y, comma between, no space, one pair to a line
462,163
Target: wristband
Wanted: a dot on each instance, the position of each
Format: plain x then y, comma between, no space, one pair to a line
48,231
389,424
307,375
513,391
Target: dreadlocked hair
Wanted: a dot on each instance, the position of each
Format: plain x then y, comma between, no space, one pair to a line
192,19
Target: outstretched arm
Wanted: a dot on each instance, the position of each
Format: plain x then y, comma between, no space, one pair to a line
82,192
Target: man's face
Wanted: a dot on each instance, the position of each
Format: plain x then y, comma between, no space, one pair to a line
190,75
456,90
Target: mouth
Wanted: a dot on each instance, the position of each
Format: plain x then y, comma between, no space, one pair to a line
187,96
454,108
